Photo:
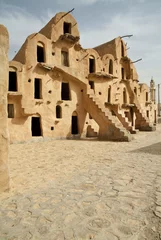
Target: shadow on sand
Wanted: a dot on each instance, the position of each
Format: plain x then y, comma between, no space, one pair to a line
154,149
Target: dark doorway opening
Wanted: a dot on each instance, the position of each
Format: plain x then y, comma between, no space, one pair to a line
155,116
10,110
65,58
91,65
135,90
58,112
12,86
75,125
40,54
122,49
109,95
132,116
124,96
36,127
67,27
111,67
37,88
91,83
65,91
122,73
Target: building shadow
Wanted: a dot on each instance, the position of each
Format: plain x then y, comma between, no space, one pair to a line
154,149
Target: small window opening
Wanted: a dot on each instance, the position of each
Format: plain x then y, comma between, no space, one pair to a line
122,50
65,91
91,64
74,124
135,90
124,96
40,54
155,116
147,114
10,110
132,116
111,67
65,58
37,88
36,127
12,86
90,117
109,95
58,111
147,97
122,73
52,128
131,73
91,83
113,113
67,27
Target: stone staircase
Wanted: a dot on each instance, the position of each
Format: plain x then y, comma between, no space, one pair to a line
91,132
110,126
124,120
142,122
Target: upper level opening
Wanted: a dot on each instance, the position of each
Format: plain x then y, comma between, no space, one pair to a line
65,58
122,49
122,73
40,52
92,64
109,95
12,85
110,67
10,110
67,27
91,83
124,96
65,91
58,111
38,88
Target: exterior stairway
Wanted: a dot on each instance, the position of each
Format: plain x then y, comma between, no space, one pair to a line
110,127
91,132
142,122
124,120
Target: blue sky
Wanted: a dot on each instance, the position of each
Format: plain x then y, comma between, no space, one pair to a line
99,21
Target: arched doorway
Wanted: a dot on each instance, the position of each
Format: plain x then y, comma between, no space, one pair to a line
74,127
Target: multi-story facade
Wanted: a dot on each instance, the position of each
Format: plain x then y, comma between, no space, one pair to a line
57,89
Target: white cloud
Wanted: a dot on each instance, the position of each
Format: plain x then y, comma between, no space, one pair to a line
146,42
21,24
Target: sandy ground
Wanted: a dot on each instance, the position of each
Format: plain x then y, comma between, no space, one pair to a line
67,190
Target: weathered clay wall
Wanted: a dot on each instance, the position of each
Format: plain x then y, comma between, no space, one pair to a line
112,70
4,141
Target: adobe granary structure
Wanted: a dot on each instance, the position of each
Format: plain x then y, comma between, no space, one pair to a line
4,68
57,89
